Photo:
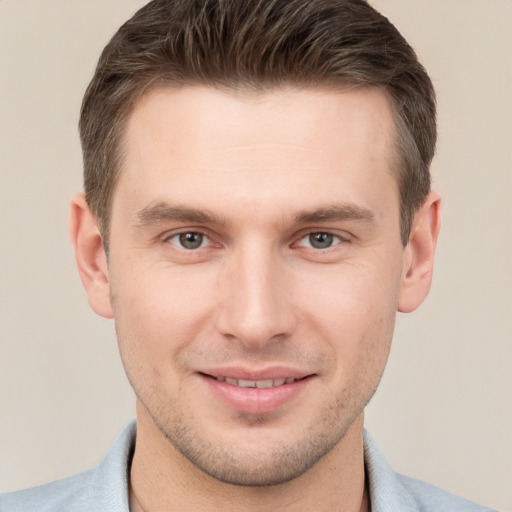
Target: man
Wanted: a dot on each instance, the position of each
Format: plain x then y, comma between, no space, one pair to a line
257,208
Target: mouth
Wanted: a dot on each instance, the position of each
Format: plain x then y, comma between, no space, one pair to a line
260,384
256,392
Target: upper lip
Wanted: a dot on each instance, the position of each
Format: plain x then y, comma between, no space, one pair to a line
273,372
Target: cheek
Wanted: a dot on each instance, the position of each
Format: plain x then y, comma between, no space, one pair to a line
159,312
354,309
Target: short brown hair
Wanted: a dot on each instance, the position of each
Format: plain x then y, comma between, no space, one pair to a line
257,45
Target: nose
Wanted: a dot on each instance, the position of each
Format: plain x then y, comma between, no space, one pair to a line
255,305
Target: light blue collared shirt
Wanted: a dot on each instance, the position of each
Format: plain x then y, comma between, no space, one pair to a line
105,488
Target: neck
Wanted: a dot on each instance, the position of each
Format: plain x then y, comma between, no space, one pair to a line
163,480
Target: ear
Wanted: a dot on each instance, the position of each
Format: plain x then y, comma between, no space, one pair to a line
90,255
419,254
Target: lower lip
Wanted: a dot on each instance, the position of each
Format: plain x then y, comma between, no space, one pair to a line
256,400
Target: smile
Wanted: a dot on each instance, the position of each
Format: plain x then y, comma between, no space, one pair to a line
261,384
256,394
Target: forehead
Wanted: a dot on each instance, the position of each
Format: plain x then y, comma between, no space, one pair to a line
292,114
257,147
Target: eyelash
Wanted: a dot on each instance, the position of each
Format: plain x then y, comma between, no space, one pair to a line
334,239
204,237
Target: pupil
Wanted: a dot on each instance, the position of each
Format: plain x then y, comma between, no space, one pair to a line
320,240
191,240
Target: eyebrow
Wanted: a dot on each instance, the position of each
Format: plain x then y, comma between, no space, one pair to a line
335,213
165,212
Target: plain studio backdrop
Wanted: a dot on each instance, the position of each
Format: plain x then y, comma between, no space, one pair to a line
443,412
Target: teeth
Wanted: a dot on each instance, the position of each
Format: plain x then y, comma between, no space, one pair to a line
246,383
266,383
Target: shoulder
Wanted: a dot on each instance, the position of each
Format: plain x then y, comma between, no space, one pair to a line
430,498
59,496
103,489
391,491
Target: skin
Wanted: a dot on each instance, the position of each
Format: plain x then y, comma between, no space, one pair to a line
255,175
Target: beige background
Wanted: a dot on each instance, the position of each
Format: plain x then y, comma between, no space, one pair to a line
443,412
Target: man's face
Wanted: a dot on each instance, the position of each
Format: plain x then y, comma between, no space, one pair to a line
255,242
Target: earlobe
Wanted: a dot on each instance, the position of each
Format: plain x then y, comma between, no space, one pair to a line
90,255
419,254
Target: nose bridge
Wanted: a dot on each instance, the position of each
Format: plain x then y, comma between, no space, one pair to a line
255,306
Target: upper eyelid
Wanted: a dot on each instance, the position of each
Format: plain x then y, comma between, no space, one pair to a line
342,234
180,231
207,241
339,237
166,237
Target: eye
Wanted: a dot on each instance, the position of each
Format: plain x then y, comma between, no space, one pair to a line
320,240
189,240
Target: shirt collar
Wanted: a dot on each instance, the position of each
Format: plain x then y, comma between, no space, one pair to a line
387,493
109,489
